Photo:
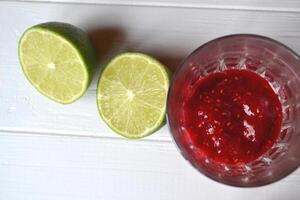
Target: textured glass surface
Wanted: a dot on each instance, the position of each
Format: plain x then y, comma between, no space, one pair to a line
274,62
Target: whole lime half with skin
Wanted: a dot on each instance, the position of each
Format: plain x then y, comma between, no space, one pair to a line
132,94
58,60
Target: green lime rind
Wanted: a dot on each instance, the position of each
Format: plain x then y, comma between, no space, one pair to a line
162,118
78,40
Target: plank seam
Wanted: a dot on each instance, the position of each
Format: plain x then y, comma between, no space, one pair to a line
168,5
56,134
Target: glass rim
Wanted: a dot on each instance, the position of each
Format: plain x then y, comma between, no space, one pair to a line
292,52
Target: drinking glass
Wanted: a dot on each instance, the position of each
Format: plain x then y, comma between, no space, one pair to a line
275,62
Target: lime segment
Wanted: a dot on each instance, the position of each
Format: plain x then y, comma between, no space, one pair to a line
54,63
131,94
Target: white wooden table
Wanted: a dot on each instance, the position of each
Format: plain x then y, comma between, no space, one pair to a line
52,151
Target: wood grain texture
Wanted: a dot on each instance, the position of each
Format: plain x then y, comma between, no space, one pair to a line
71,168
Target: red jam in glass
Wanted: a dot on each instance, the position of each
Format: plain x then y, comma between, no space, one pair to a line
233,116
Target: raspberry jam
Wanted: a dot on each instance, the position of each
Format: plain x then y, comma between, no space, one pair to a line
233,116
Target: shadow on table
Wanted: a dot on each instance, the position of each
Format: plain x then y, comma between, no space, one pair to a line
106,41
171,61
110,41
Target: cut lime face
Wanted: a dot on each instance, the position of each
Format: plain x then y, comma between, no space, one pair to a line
53,63
132,94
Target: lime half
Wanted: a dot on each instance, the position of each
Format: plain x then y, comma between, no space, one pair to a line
58,60
132,94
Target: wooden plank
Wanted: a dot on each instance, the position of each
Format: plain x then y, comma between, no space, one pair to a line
166,33
266,5
72,168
